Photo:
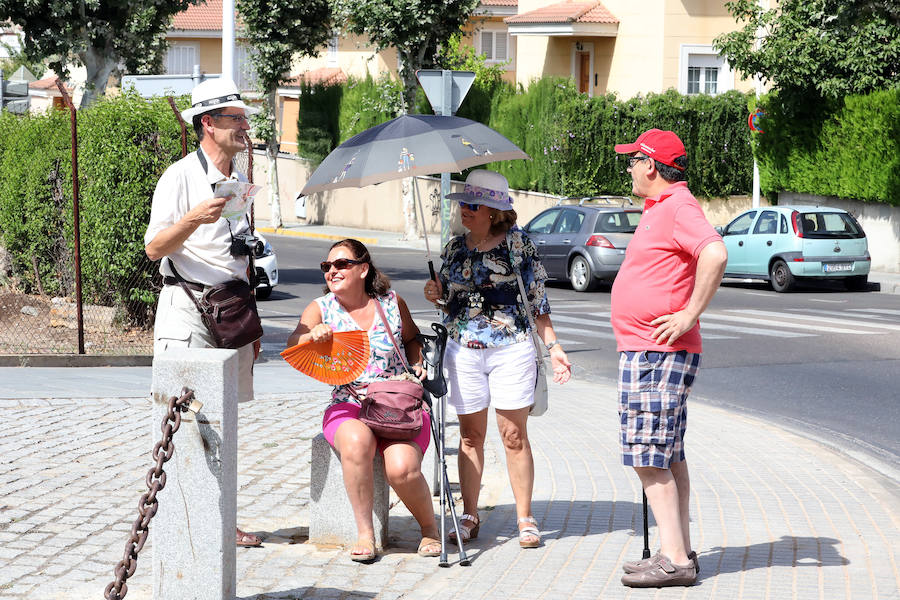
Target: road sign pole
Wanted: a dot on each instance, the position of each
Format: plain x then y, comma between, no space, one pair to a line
447,94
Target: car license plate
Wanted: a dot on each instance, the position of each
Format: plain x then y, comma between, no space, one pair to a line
835,267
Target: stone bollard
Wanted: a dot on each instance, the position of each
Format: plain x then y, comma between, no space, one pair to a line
193,531
331,518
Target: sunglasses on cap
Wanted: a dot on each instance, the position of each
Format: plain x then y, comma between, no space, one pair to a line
339,264
472,207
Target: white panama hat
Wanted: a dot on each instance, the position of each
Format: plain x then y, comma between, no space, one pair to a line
214,94
485,187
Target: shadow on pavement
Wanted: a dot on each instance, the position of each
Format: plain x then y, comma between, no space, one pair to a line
789,551
309,592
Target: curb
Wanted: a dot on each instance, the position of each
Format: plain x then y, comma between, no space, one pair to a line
317,236
76,360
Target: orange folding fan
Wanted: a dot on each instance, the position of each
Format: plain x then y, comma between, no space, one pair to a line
335,362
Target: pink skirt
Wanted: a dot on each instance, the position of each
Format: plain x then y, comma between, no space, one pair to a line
338,413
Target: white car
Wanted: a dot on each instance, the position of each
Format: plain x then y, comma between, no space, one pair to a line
266,268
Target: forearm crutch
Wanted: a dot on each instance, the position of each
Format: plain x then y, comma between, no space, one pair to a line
437,432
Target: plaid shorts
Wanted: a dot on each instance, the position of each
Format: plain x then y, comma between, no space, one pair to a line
653,390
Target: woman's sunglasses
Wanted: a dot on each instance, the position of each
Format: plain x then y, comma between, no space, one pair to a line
339,264
472,207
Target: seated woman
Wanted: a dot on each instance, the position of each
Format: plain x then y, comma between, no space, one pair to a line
354,286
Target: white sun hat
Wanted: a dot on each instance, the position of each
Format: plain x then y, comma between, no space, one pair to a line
215,94
485,187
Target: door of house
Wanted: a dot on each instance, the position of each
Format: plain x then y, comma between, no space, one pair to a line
583,59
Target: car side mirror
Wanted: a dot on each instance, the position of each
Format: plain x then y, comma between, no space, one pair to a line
720,230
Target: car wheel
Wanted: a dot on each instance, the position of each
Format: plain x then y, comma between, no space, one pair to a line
580,275
780,276
857,283
263,293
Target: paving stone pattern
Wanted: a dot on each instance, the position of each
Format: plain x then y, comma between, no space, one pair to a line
775,515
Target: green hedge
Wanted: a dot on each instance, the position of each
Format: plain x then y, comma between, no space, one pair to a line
124,146
569,136
850,149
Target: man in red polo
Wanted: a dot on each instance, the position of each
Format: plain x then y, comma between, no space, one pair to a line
672,268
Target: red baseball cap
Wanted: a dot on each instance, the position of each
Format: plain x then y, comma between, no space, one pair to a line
660,145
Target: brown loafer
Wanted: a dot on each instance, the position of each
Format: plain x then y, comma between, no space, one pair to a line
662,574
633,566
247,540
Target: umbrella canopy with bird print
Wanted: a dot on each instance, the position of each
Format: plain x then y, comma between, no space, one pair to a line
407,146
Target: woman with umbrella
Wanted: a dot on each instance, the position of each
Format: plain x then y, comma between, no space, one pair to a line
490,358
359,298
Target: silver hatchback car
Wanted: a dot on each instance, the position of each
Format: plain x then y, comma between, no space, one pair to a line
584,239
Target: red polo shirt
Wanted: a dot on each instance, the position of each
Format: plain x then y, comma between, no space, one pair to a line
657,276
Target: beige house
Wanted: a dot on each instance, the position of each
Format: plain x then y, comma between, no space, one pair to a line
623,46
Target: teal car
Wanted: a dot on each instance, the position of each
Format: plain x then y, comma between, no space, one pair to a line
787,244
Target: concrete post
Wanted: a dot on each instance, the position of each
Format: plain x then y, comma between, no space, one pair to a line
193,531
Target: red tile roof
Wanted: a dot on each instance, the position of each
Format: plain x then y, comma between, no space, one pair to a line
571,11
200,17
322,76
49,83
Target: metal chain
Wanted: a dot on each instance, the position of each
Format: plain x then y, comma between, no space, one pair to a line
148,504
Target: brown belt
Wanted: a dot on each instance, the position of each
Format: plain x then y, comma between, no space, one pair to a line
191,285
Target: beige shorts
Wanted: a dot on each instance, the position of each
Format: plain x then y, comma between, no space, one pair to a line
178,325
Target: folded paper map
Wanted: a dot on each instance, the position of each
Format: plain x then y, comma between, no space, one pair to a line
240,197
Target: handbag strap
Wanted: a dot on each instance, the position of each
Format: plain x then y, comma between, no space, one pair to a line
183,283
387,328
538,345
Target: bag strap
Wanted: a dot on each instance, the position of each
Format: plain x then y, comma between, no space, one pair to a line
538,345
182,282
390,333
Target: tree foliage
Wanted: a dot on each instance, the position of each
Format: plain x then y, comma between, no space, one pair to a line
278,31
416,28
98,34
817,49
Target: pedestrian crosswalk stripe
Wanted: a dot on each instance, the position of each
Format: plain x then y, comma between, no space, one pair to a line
819,320
842,313
882,311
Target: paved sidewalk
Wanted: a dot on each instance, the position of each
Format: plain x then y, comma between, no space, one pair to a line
775,515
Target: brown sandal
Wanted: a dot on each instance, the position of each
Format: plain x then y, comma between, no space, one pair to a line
368,551
247,540
429,542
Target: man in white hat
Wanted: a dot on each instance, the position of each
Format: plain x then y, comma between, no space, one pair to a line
188,233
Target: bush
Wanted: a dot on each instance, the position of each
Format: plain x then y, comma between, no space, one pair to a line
570,138
849,148
367,102
124,145
318,122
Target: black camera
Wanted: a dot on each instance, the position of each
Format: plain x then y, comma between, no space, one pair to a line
245,244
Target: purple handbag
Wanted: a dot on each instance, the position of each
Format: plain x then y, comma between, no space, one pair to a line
392,408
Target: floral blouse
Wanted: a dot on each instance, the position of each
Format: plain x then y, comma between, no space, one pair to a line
484,309
383,359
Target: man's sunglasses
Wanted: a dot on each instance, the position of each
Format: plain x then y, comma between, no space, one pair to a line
635,159
236,119
472,207
339,264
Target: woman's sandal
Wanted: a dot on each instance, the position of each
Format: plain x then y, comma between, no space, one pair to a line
529,537
363,551
429,547
467,533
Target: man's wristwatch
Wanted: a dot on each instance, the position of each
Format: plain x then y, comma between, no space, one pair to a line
551,344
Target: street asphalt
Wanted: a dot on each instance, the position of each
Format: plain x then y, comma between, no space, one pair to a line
774,514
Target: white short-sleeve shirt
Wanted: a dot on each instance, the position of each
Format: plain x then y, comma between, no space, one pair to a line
205,256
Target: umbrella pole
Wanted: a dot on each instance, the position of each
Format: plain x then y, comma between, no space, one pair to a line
418,201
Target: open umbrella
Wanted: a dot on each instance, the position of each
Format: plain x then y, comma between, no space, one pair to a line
407,146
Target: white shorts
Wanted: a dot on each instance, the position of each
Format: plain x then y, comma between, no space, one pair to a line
502,377
178,325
